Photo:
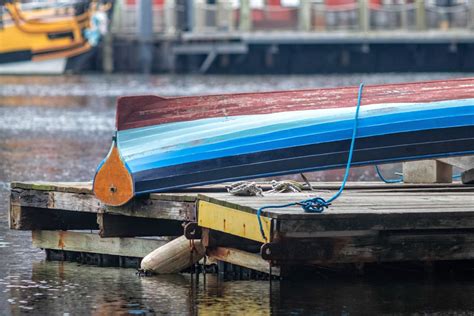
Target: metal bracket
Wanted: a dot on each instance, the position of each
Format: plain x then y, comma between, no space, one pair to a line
192,231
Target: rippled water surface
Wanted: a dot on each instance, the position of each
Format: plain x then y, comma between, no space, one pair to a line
59,128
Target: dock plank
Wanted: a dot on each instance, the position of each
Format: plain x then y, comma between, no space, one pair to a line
92,243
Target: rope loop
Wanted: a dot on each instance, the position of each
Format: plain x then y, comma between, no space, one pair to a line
314,205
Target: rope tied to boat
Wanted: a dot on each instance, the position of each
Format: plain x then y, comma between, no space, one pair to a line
319,204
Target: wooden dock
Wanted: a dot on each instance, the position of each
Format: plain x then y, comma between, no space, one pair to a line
369,223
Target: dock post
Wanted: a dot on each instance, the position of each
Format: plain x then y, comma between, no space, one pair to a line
471,14
169,16
145,35
304,16
245,23
404,16
199,16
427,171
364,15
108,53
189,15
420,15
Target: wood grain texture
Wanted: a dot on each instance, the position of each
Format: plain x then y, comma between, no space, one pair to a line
141,111
113,183
388,246
92,243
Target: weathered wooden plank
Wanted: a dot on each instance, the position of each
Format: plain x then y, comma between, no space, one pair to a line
71,187
80,202
242,258
86,202
301,228
388,246
92,243
155,208
130,226
350,202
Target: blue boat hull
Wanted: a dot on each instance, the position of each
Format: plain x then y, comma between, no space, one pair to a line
181,154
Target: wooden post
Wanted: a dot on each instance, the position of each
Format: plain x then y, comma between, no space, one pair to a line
199,16
224,16
189,15
404,16
145,34
420,15
169,15
245,23
108,53
174,257
427,171
304,16
364,15
471,14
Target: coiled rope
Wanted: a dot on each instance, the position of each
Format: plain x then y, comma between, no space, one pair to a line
318,204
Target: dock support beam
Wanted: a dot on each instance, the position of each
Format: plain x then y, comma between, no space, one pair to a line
145,35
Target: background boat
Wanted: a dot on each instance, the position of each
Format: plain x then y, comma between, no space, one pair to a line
47,38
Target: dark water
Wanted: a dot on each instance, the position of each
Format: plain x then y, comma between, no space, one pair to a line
59,128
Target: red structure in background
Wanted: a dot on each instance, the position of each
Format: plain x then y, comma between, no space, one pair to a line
156,3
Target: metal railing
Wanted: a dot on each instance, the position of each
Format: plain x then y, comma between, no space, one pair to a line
459,14
335,17
214,17
310,16
393,16
274,18
164,19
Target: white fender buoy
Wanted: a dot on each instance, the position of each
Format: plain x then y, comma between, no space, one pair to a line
173,257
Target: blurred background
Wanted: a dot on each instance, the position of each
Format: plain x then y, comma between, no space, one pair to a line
238,36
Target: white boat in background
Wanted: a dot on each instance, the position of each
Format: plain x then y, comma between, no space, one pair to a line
44,67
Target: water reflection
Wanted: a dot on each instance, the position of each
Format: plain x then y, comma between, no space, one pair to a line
58,288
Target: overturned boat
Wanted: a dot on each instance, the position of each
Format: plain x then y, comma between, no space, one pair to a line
164,144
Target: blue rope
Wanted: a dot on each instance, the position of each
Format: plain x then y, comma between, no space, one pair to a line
456,176
387,180
318,204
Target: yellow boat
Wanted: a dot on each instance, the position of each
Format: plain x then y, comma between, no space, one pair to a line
45,39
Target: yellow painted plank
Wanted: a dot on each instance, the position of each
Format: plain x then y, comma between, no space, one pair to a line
231,221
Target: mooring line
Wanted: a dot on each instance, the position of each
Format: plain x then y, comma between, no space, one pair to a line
318,204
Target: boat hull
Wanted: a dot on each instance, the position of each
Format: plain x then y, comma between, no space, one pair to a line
45,67
304,131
